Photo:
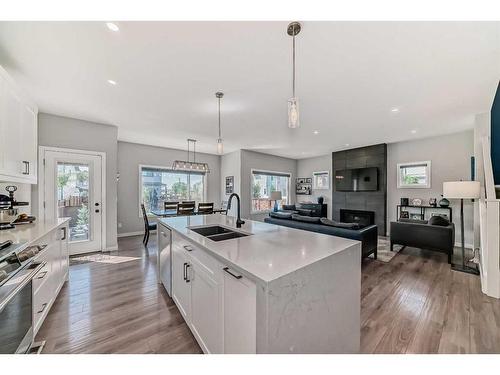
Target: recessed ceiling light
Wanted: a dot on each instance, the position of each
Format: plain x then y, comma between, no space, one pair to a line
395,110
111,82
413,131
316,132
112,26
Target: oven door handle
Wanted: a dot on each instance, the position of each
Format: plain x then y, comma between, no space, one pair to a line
21,285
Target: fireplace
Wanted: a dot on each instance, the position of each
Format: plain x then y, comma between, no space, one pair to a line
363,218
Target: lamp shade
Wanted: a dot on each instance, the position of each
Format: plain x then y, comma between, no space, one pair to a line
462,189
276,196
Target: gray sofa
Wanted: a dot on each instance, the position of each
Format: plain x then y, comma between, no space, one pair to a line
367,235
424,234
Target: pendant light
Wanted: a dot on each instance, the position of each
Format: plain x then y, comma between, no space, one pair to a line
220,146
191,166
293,104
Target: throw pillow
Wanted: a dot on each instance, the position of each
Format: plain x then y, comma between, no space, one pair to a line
439,220
305,219
288,207
281,215
333,223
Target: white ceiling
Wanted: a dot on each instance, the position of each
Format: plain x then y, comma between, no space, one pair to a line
349,77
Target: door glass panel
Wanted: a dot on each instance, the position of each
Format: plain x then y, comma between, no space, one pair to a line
73,198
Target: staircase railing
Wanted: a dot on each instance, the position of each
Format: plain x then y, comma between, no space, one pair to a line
489,224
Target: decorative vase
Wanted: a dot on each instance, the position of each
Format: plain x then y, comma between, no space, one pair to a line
321,200
276,207
444,202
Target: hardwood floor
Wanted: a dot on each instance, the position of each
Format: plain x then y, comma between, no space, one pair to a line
414,304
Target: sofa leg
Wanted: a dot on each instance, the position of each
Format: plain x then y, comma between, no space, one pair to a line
375,254
392,246
449,257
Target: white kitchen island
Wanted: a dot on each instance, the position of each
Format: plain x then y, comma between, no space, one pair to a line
276,290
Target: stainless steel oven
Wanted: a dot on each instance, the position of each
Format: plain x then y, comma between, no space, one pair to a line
16,305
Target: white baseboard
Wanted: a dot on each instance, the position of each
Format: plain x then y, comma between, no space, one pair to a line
130,234
111,248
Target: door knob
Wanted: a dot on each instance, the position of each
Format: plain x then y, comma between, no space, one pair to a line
97,211
96,204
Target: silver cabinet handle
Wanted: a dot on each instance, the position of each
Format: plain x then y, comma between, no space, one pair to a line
187,273
42,309
232,274
41,275
26,167
188,248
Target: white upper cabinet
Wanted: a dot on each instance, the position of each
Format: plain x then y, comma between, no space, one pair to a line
18,133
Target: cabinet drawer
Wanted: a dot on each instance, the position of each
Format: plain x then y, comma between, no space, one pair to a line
209,263
42,299
42,276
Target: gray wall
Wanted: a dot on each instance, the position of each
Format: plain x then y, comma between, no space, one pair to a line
363,157
230,165
305,168
450,161
256,160
65,132
130,156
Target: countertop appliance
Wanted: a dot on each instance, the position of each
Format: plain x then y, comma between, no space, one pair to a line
17,270
165,258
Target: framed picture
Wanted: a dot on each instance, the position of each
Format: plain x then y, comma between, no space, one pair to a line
404,215
415,202
229,185
302,187
405,202
321,180
414,175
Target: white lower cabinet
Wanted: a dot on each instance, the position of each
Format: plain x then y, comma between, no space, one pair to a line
239,313
181,287
49,280
206,308
217,303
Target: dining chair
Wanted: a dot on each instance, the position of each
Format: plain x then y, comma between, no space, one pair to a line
185,208
147,226
205,208
170,205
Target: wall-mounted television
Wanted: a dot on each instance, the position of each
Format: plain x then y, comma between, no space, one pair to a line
359,179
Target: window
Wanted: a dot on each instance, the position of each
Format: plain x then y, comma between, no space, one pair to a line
263,184
164,185
414,175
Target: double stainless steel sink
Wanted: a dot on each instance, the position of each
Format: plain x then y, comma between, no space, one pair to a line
218,233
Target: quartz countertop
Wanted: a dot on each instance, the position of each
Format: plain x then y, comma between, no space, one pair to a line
272,251
28,233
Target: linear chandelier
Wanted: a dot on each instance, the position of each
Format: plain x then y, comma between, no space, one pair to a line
190,166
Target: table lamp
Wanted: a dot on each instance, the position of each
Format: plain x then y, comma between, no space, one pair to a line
462,190
276,197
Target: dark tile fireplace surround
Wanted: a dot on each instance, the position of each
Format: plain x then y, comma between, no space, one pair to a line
363,218
362,205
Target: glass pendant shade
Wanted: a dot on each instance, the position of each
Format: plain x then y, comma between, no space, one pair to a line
220,146
293,113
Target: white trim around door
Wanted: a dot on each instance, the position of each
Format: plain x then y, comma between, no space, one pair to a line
42,150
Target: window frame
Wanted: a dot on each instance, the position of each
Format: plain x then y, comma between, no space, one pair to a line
166,169
428,172
276,173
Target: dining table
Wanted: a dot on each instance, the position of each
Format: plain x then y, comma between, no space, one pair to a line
173,212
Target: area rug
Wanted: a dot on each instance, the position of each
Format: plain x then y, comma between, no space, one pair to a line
100,258
384,253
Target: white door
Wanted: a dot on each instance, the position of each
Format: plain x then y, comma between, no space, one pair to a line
73,187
